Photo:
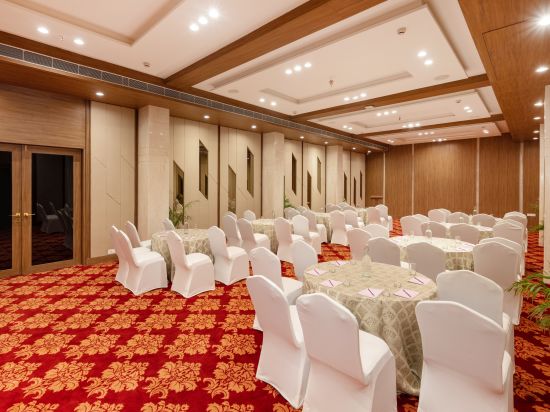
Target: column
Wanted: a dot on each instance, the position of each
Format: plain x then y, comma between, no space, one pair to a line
542,146
273,174
335,174
154,166
545,147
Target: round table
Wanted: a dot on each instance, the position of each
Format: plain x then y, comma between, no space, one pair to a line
194,240
324,219
267,227
459,254
387,316
484,231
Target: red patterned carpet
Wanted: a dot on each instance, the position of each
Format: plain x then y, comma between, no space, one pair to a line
74,340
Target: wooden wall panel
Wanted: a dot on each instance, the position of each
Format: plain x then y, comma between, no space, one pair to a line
498,175
445,175
531,180
374,177
40,118
399,180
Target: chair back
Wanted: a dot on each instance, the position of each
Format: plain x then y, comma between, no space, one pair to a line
429,259
351,217
312,220
249,215
375,230
337,220
483,219
358,240
301,209
383,250
421,217
218,245
507,242
373,216
41,212
331,334
300,225
451,340
126,248
472,290
411,224
290,212
348,207
468,233
272,309
167,224
331,208
246,230
230,213
438,230
113,231
283,230
458,217
496,262
437,215
231,230
509,230
383,210
133,234
177,249
266,263
303,256
518,217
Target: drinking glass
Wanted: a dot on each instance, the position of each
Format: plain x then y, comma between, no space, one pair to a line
412,269
457,240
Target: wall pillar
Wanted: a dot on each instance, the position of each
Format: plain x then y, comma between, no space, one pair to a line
335,174
545,148
154,166
273,174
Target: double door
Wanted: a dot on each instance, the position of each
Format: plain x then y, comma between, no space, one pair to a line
40,208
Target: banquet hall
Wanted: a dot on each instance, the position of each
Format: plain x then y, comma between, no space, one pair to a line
274,206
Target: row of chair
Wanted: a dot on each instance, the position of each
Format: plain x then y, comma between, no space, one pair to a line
341,224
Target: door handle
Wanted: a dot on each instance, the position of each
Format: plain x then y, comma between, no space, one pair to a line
16,215
28,214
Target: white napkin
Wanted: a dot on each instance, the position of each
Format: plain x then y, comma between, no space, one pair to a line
371,293
329,283
316,272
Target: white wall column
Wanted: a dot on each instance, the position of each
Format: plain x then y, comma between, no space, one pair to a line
542,145
154,168
273,174
335,174
545,147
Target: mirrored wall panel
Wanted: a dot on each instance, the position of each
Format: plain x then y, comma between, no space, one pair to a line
231,190
203,169
5,210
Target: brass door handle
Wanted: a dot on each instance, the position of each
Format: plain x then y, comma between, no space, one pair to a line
16,215
28,214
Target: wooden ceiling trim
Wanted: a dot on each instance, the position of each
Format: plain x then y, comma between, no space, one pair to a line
300,22
474,82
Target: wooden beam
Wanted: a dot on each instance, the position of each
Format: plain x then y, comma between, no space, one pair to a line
300,22
469,83
493,118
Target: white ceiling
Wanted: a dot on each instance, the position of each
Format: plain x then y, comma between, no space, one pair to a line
130,32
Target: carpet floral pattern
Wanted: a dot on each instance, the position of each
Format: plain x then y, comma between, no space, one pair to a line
75,340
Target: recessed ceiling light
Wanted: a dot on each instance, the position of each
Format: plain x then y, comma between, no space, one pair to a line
417,124
206,117
536,131
535,138
469,111
297,68
542,69
301,137
404,126
544,20
428,62
273,103
262,100
432,132
253,126
419,134
213,12
99,94
326,142
536,118
386,113
485,131
369,152
43,30
393,111
539,104
378,114
307,65
422,53
426,133
355,97
78,41
466,107
345,126
194,27
363,94
353,148
411,125
202,20
350,128
433,140
288,71
346,99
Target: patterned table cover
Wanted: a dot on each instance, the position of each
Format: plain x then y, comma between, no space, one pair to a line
194,240
389,317
459,254
267,227
484,231
324,219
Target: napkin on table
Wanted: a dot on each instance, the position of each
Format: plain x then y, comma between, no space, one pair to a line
339,262
420,280
329,283
371,293
405,293
316,272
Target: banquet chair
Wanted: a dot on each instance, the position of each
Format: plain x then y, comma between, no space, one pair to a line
51,209
266,263
133,235
438,230
429,259
467,233
331,208
512,230
285,238
348,207
374,216
230,213
303,256
283,359
458,217
301,209
67,225
352,218
146,271
231,230
387,219
122,271
375,230
518,217
49,223
500,264
358,239
251,240
351,370
339,228
383,250
249,215
411,224
421,217
447,211
194,273
437,215
301,228
465,366
314,226
483,219
290,212
510,243
230,262
167,224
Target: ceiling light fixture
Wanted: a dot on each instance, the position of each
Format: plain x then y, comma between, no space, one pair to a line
326,142
262,100
535,138
539,104
378,114
202,20
386,113
469,111
544,20
466,107
99,94
194,27
353,148
536,118
417,124
419,134
363,94
43,30
428,62
350,128
345,126
346,99
355,97
213,13
206,117
297,68
288,71
432,132
422,53
307,65
78,41
536,131
369,152
301,137
485,131
253,126
393,111
273,103
542,69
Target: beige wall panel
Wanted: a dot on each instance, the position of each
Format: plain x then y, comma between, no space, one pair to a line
334,174
273,181
311,154
293,147
374,177
358,170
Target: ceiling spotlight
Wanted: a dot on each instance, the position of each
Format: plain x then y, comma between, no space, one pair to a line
378,114
419,134
206,117
43,30
536,131
363,94
433,140
469,111
369,152
345,126
536,118
485,131
253,126
262,100
411,125
542,69
432,132
466,107
404,126
346,99
307,65
428,62
353,148
297,68
426,133
539,104
417,124
393,111
194,27
422,53
386,113
355,97
535,138
78,41
213,13
350,128
273,103
301,137
544,20
99,94
202,20
288,71
326,142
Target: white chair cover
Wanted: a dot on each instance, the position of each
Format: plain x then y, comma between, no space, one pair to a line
438,230
466,232
466,367
339,228
518,217
511,230
437,215
483,219
429,259
290,212
285,237
230,263
250,239
516,246
421,217
167,224
314,226
231,230
301,209
411,224
352,218
387,220
283,360
133,235
351,370
301,228
331,208
249,215
122,271
374,216
375,230
230,213
194,272
303,256
458,217
358,240
383,250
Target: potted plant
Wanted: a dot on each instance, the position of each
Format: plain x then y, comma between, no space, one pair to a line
532,286
178,214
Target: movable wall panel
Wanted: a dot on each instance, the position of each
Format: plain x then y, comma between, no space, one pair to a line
113,172
346,166
195,169
357,184
313,177
240,171
399,180
498,175
445,176
374,177
531,180
293,171
334,174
